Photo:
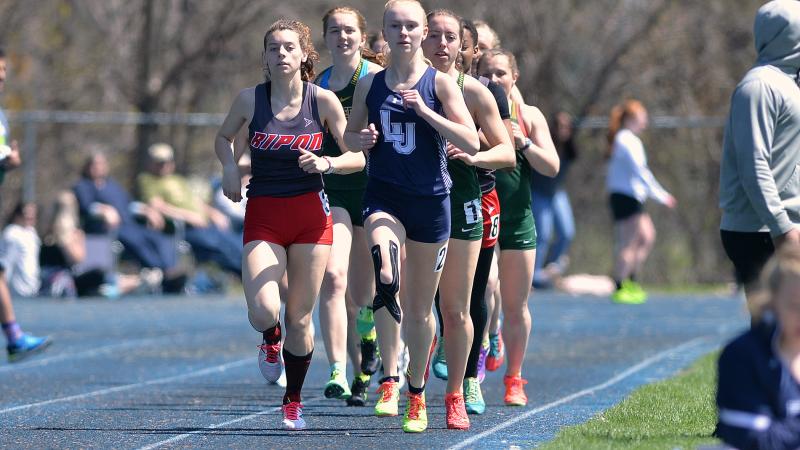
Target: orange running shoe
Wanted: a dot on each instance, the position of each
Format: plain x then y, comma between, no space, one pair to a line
497,352
456,411
515,392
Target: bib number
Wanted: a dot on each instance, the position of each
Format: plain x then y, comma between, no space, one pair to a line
472,211
326,207
403,139
494,231
440,258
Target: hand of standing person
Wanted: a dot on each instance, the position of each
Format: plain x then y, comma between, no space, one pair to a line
13,159
671,202
792,236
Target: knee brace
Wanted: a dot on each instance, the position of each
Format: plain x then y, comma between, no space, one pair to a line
385,293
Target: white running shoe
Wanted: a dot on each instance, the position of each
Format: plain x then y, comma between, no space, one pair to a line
293,416
269,361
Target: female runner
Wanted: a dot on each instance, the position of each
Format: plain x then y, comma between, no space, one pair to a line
287,222
407,198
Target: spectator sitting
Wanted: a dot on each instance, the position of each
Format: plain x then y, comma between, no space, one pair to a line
103,200
64,247
207,229
19,251
758,394
234,211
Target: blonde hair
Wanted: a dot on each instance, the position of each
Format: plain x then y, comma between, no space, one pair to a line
619,114
783,264
391,3
482,24
497,51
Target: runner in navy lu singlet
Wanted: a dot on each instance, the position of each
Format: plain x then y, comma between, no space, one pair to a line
407,168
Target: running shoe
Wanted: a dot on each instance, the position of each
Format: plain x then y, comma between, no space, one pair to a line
370,356
630,293
638,289
365,321
473,397
515,391
359,390
27,345
440,361
337,387
416,417
269,361
389,397
482,354
456,412
497,352
293,416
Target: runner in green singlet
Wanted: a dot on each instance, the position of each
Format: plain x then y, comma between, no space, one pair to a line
343,299
535,149
442,47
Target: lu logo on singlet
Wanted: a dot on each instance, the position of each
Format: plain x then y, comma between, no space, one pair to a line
404,141
264,141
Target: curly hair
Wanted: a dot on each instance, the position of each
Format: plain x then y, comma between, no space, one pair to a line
304,34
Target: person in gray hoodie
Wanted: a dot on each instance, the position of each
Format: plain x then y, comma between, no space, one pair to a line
760,170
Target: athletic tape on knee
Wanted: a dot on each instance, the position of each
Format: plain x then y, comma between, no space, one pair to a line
386,293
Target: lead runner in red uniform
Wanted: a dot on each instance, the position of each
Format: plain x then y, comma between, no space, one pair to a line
287,222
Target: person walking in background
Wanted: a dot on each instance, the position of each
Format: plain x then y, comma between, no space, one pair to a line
630,183
19,344
551,209
759,371
207,229
759,189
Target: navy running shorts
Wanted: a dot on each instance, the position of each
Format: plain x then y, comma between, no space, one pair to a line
426,218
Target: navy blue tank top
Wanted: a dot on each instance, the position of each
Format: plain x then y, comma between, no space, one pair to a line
275,146
410,153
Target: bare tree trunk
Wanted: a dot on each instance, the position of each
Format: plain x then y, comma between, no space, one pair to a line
146,103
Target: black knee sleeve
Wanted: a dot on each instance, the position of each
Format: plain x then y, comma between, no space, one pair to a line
385,293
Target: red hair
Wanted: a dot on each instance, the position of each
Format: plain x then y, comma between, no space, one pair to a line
617,117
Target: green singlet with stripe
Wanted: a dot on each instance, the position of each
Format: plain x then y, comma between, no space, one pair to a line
344,191
354,181
517,228
465,197
513,186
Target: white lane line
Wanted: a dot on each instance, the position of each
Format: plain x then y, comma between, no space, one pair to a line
84,354
181,437
612,381
127,387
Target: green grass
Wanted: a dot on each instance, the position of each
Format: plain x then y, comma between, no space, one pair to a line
674,413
